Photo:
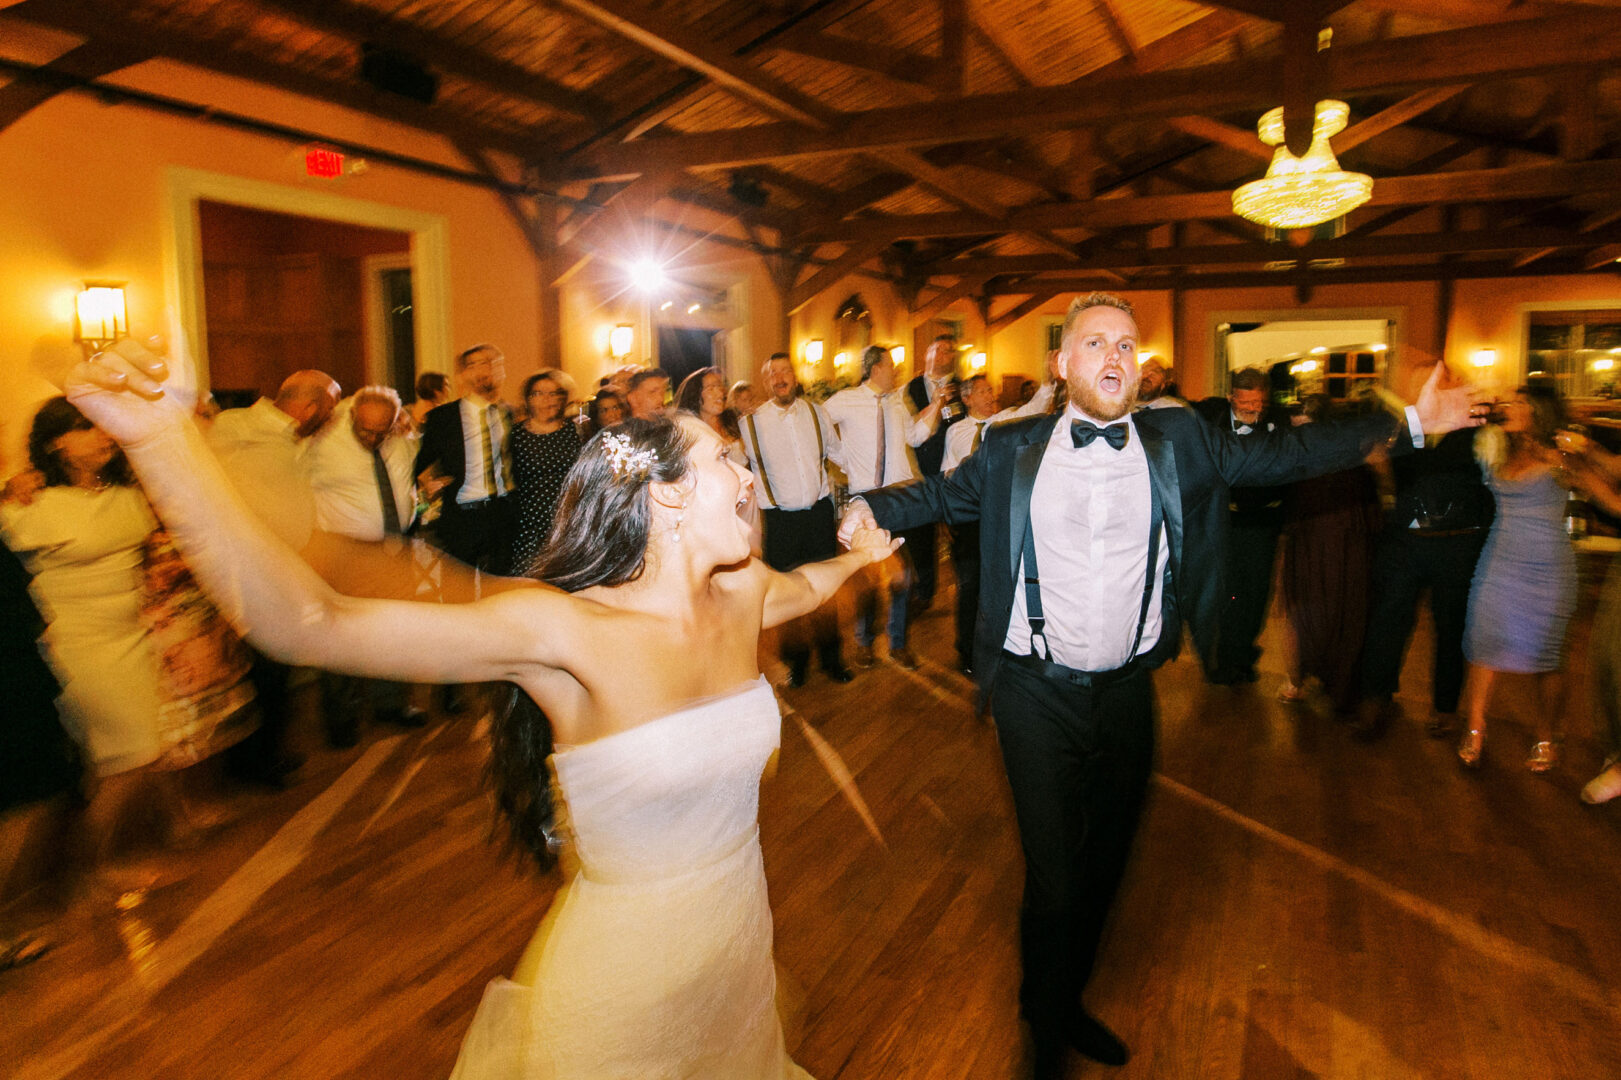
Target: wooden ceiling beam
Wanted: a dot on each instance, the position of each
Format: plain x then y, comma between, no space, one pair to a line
1550,181
941,182
686,47
1401,64
830,274
1601,257
1018,311
1020,68
901,65
1532,256
1396,115
100,23
1222,134
951,71
1446,243
358,23
1359,275
92,60
1115,24
964,286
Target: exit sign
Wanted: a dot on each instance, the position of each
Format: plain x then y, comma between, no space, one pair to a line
323,161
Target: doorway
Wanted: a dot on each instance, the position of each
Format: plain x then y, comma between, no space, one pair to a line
683,350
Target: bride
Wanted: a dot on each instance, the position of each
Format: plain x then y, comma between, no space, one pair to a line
656,960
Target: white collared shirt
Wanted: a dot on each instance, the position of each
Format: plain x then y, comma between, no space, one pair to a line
1089,512
788,472
960,441
343,480
855,413
474,411
261,453
1040,403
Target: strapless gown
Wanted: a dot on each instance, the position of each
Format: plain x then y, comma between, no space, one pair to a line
655,963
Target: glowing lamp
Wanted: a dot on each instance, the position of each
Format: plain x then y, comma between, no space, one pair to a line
840,359
977,361
1484,358
1605,364
102,318
646,275
621,339
898,354
1297,193
813,351
1317,350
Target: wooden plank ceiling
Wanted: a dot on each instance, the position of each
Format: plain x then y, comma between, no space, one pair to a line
982,147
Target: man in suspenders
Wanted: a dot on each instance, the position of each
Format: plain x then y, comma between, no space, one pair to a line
789,442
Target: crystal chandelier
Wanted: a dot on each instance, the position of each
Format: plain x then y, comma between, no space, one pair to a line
1297,193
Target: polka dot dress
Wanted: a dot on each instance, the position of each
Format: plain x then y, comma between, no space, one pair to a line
540,464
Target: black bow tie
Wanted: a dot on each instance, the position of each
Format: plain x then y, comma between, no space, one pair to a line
1083,433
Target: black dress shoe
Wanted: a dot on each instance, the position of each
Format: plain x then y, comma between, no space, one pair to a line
838,673
408,717
1091,1039
343,735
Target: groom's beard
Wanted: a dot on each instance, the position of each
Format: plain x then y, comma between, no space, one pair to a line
1086,398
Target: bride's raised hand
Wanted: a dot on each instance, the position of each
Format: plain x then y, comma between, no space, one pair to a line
875,543
121,389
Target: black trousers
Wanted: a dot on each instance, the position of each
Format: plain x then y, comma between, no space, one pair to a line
925,546
965,565
479,534
793,538
1405,563
1252,551
1078,760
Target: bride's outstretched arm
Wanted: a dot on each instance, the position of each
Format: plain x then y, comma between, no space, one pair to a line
803,590
265,589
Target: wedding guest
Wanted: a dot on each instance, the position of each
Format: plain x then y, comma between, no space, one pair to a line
544,447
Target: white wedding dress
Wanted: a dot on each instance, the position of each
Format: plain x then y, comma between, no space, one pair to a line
655,963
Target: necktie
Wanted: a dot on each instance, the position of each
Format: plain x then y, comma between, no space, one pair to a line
385,490
1083,433
497,476
979,433
883,445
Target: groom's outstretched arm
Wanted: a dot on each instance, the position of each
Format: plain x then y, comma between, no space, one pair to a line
952,497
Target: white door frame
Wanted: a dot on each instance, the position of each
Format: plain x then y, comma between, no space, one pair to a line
371,270
183,256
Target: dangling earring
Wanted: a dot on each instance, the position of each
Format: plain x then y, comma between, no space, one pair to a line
680,513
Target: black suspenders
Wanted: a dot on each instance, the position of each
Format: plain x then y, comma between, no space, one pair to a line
1032,580
759,452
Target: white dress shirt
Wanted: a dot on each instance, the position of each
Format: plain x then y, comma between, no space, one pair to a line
260,451
344,482
855,413
1089,512
1040,404
1165,401
960,441
475,412
788,473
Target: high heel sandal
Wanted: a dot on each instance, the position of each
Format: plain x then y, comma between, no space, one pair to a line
1472,746
1544,756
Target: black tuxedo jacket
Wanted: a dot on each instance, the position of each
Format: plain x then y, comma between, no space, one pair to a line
441,444
1260,506
931,451
1190,464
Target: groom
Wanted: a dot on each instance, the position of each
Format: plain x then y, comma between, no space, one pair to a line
1100,531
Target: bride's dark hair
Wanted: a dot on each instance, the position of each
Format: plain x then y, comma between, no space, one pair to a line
604,518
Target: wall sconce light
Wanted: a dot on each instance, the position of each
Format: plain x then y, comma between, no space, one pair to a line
813,351
977,361
694,309
1484,358
621,339
1303,367
1318,350
1378,346
1606,364
898,354
1145,357
101,316
839,360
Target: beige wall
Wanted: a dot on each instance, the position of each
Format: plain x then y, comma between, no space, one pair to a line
85,195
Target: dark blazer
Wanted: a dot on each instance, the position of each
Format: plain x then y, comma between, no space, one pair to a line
1255,505
441,444
1189,463
931,451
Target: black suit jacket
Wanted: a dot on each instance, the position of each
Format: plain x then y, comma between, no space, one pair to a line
1190,464
931,451
1259,506
441,444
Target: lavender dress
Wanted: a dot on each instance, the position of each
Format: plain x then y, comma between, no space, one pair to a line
1524,591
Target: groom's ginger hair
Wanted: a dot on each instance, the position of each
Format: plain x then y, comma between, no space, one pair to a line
1092,300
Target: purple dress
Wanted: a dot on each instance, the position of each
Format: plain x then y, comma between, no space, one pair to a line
1524,591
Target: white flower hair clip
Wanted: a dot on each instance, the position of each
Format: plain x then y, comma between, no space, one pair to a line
626,462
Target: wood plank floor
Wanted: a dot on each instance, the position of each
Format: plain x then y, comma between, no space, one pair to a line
1301,906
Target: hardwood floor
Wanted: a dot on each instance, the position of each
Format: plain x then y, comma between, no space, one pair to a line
1301,905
